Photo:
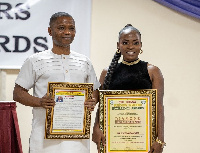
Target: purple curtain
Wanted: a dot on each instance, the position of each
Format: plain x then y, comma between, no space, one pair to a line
189,7
10,141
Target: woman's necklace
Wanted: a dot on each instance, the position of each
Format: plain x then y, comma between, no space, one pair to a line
130,63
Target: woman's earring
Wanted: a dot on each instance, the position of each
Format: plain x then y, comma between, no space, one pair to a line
141,51
118,51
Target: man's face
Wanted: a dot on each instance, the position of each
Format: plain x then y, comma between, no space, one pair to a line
62,31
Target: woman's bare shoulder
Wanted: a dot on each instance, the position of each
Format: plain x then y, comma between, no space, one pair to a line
103,75
104,71
154,71
152,68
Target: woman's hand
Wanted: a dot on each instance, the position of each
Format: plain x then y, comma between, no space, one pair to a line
97,137
156,148
90,104
47,102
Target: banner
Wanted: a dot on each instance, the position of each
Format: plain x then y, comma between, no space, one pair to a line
188,7
24,28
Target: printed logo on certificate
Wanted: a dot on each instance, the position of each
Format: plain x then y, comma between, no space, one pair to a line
68,119
128,120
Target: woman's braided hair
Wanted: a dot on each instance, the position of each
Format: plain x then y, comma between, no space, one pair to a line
111,69
115,59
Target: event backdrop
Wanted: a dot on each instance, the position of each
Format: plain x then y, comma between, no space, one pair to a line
24,25
188,7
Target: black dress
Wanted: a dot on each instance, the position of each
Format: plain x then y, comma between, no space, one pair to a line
131,77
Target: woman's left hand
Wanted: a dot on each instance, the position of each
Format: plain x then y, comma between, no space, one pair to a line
156,148
90,104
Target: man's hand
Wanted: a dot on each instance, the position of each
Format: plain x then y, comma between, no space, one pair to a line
47,102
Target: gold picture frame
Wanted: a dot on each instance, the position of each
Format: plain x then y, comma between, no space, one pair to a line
128,119
68,119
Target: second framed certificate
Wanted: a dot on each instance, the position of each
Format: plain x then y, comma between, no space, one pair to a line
128,120
68,119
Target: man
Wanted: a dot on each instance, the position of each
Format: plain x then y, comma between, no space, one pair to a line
59,64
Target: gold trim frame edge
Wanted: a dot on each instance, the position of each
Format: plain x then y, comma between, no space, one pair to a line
49,112
153,110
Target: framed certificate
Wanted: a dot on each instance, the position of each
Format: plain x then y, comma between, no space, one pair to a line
68,119
128,119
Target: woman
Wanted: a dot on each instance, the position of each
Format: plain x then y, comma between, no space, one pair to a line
130,74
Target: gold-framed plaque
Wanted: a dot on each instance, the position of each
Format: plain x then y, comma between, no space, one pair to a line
68,119
128,119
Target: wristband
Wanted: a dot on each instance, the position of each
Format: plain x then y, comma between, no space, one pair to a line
163,144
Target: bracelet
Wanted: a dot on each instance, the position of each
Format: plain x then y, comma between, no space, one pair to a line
160,142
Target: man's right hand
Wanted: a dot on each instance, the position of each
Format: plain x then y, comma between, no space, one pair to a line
47,102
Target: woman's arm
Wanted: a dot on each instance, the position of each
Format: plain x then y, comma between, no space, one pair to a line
158,83
97,135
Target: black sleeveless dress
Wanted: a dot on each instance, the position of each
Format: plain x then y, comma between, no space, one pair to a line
131,77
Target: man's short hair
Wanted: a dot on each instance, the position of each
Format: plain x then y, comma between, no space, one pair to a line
57,15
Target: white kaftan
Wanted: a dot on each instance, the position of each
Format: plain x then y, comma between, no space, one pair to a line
36,72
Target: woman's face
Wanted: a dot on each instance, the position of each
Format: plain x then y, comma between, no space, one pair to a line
129,44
